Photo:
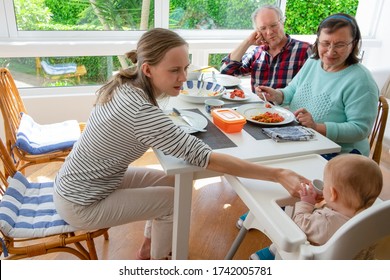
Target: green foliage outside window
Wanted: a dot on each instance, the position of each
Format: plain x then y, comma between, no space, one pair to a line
31,13
66,12
303,17
220,14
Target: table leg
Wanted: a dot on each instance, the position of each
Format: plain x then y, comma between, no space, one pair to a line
182,215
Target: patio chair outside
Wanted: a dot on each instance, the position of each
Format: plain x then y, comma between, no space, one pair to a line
56,72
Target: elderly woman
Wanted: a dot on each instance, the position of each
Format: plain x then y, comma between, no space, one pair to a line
333,93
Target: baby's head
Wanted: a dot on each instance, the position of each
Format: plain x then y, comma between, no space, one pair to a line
357,180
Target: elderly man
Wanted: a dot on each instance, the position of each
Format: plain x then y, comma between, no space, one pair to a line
277,57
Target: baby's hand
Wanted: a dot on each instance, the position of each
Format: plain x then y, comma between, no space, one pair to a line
308,194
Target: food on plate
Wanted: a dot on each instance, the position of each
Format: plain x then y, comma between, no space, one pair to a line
183,91
268,117
237,93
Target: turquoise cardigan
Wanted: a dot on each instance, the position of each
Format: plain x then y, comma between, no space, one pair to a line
345,101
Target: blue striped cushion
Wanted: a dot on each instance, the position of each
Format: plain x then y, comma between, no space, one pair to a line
27,210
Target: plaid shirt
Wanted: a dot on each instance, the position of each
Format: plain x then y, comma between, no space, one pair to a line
274,72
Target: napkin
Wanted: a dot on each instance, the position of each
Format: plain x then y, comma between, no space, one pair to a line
289,133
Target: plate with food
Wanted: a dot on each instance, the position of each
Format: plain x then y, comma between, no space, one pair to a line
199,91
258,113
235,95
197,120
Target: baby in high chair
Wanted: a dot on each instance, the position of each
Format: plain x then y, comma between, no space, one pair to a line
352,183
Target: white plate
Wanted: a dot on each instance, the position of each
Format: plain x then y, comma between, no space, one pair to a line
250,110
198,120
222,79
197,92
226,95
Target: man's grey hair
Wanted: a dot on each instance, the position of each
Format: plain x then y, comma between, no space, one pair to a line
271,7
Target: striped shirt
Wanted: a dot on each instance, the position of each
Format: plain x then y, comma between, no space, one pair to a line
117,133
275,72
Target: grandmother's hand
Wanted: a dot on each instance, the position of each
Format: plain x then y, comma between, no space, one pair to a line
305,118
271,94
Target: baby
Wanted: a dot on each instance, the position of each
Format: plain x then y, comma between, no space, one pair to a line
352,183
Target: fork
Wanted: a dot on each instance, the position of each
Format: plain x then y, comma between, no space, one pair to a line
266,101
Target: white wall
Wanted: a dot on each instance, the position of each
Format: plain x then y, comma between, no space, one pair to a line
378,59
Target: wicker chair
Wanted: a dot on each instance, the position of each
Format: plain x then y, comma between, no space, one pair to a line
378,130
12,107
29,224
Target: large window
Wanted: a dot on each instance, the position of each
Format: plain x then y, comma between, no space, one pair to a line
92,35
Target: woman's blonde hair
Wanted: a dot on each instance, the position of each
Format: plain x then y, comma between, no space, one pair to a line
358,180
151,49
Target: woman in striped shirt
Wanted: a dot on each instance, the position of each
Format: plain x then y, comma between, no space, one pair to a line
96,188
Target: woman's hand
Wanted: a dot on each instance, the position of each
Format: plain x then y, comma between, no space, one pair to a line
228,164
271,94
292,181
305,118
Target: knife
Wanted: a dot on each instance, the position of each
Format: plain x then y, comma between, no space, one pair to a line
184,118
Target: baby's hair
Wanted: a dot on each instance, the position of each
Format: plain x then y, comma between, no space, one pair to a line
358,180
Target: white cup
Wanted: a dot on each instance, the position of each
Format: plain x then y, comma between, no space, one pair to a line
211,104
318,186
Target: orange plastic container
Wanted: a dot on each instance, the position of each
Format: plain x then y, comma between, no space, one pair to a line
228,120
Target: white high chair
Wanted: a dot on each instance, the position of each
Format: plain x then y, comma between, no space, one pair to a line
265,199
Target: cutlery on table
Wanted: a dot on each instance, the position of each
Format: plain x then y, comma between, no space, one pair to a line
187,120
266,101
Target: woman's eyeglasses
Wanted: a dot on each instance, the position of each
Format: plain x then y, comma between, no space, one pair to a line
337,47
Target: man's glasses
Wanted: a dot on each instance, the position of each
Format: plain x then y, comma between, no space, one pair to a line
337,47
272,27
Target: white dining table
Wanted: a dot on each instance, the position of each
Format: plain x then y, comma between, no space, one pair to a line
247,148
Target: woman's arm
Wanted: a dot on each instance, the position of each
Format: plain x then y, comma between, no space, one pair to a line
223,163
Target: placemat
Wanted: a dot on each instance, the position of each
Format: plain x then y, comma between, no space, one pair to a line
255,129
214,137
